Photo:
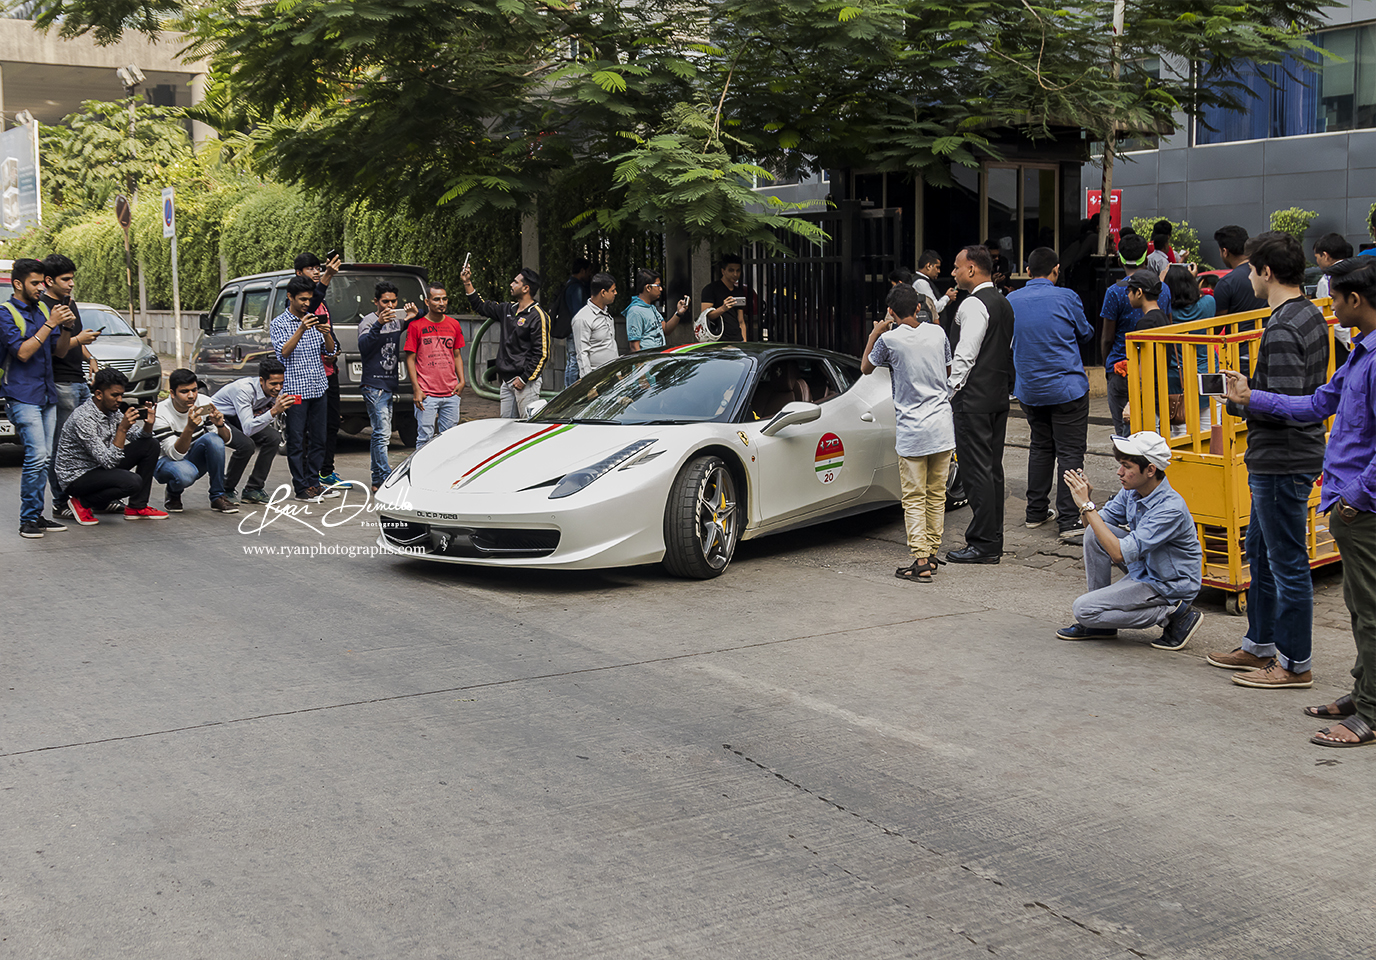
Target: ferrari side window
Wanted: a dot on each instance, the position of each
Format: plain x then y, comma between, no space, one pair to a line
805,379
848,371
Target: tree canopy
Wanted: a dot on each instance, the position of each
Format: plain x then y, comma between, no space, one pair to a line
668,111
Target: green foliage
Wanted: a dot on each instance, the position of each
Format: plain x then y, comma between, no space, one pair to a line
91,157
1293,221
1184,238
105,19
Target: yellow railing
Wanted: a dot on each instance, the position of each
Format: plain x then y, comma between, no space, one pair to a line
1207,466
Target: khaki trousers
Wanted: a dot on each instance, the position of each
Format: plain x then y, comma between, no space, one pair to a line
924,500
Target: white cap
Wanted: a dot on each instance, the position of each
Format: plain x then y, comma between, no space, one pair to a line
1151,446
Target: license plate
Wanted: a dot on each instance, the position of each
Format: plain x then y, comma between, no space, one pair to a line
6,428
356,372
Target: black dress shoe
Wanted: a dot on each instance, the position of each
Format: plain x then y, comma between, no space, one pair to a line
972,555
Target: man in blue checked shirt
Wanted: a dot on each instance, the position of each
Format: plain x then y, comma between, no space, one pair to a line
301,339
29,334
1049,381
1349,486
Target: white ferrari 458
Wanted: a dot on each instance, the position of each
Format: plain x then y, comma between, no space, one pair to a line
672,455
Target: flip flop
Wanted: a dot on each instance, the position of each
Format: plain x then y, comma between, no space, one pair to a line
1346,708
919,571
1354,723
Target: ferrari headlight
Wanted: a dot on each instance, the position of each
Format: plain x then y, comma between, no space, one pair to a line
578,479
403,472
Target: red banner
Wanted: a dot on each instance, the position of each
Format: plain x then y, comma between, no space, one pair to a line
1115,209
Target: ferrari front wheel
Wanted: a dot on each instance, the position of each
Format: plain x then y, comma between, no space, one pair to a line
702,521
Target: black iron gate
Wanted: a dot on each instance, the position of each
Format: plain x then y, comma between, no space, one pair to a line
828,294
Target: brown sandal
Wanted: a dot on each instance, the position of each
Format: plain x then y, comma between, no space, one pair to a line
1354,723
1346,708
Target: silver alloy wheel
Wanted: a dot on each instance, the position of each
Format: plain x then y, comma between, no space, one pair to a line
716,515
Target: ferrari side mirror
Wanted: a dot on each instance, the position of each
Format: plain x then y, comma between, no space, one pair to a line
796,412
534,407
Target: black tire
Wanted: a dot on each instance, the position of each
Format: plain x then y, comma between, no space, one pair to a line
702,521
406,426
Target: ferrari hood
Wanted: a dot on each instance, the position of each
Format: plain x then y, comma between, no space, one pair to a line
519,455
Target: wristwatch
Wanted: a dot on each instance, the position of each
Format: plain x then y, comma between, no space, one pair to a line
1089,505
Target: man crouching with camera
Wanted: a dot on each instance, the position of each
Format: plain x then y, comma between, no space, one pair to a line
106,453
191,443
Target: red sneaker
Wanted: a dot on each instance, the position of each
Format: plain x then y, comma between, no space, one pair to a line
144,513
81,513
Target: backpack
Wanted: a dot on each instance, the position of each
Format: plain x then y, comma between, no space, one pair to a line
23,332
560,319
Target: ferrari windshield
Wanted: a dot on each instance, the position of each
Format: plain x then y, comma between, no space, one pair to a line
653,388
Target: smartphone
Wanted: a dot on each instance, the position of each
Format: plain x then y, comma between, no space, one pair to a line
1212,385
331,254
465,260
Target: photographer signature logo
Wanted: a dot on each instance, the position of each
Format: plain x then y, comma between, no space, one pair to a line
355,501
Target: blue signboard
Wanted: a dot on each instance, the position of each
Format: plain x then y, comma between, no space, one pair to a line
18,182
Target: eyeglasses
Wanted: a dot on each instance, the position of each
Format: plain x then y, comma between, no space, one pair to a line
660,285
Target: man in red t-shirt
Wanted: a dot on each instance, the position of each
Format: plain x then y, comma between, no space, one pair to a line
434,363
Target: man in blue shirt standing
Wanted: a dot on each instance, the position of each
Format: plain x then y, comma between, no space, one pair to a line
28,334
1120,319
1148,530
1049,381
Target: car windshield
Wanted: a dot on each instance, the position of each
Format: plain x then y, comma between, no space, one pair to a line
109,324
653,388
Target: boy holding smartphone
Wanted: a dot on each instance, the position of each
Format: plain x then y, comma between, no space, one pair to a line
725,300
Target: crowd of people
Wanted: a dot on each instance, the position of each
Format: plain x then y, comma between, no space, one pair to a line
953,384
952,395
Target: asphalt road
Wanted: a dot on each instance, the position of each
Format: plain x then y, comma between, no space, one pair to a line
208,751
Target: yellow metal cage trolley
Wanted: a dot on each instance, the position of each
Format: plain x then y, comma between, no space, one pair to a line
1207,449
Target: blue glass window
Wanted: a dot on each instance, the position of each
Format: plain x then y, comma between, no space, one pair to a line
1285,103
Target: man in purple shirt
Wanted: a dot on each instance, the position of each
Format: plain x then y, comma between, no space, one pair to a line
1349,486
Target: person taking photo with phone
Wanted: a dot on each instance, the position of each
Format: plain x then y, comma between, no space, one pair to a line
379,344
29,334
726,302
70,366
525,344
646,327
106,453
301,339
251,406
320,274
1284,455
1348,492
192,441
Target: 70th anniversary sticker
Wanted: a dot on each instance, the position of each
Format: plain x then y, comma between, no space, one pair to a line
831,455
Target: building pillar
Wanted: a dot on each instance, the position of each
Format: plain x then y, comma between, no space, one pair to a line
3,125
200,132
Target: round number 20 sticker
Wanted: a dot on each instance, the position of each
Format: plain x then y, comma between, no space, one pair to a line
830,458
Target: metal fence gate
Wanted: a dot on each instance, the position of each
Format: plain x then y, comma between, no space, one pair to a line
828,294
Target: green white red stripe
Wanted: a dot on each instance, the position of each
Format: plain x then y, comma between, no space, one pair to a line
506,453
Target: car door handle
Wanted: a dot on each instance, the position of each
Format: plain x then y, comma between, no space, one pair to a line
867,417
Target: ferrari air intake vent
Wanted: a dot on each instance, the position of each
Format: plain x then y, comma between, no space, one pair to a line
537,543
403,533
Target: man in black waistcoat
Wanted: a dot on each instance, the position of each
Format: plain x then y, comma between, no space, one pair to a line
981,381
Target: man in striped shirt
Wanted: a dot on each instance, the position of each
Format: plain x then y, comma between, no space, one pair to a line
1283,457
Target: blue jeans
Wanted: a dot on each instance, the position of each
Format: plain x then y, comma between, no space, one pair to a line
205,458
35,424
380,415
69,397
571,365
437,416
1280,600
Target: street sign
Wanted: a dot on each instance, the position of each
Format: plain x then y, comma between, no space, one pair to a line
123,214
169,213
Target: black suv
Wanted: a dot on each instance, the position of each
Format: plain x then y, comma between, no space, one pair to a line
235,334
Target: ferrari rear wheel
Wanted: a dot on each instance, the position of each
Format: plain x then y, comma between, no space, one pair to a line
702,521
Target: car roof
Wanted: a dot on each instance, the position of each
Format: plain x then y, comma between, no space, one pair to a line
762,351
345,268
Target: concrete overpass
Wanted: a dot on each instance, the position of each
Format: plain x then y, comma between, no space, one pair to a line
50,76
